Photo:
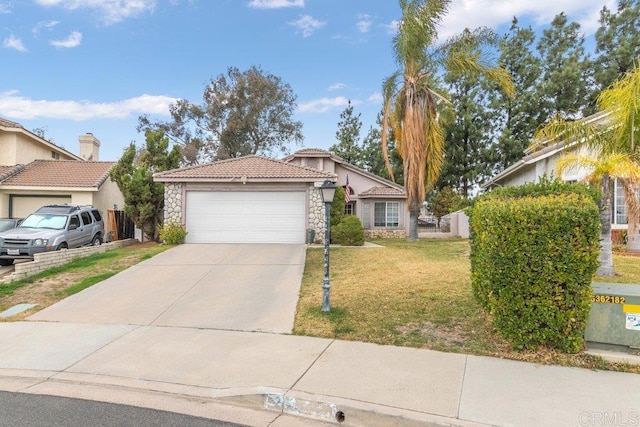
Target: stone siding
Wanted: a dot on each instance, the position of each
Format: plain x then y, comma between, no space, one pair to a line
46,260
316,214
173,203
385,234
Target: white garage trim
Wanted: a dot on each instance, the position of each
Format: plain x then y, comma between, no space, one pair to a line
245,216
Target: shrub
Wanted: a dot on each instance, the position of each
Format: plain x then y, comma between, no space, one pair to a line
349,232
337,207
532,262
172,234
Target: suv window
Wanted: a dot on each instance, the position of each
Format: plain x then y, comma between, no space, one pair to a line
74,220
86,218
96,215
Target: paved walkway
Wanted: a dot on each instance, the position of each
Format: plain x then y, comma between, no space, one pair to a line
113,346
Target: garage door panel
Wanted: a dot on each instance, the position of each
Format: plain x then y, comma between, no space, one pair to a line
22,206
245,217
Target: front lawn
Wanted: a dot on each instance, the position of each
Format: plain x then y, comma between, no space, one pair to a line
415,294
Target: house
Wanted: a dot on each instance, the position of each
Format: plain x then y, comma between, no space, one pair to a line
541,160
256,199
35,172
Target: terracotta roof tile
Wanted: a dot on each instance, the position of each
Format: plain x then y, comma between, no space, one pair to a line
9,124
251,167
382,191
61,173
7,171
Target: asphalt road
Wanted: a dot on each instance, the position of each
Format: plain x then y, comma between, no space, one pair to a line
30,410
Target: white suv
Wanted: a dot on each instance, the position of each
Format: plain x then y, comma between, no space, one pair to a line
51,228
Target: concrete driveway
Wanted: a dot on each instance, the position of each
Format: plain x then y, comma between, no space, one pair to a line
239,287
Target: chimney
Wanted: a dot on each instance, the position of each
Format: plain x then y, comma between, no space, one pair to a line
89,147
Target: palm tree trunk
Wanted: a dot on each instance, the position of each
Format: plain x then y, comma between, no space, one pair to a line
414,212
606,252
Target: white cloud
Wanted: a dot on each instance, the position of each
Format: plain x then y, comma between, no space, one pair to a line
46,25
109,11
5,9
275,4
375,98
493,13
15,43
336,86
364,23
392,27
323,105
19,107
307,24
73,40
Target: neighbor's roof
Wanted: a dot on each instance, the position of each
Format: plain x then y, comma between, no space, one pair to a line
382,192
9,124
540,150
249,168
60,173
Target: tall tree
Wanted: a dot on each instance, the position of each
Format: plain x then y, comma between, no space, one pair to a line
564,86
516,118
373,159
617,42
133,173
467,136
348,136
242,113
410,101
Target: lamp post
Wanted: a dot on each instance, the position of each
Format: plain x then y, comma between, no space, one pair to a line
328,190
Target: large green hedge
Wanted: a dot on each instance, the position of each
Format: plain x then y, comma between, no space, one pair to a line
349,232
532,261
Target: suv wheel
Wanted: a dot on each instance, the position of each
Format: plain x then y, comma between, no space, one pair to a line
97,240
62,246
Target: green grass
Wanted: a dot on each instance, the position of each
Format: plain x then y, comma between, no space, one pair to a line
626,268
415,294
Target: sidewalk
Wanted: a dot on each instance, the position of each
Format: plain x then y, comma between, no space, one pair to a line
266,379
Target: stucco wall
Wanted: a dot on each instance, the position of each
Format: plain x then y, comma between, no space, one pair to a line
19,149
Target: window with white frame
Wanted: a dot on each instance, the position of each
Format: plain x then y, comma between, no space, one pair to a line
349,209
386,214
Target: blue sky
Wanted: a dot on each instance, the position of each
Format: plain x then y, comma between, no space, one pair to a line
76,66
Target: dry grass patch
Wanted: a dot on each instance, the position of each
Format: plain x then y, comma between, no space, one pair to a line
415,294
57,283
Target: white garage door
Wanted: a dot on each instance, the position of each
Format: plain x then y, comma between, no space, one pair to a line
21,206
245,217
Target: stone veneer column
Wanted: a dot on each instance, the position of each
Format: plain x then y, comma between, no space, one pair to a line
173,203
316,214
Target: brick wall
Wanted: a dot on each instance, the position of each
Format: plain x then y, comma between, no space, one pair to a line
46,260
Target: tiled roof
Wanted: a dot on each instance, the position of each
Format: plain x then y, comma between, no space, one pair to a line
61,173
382,191
9,124
249,167
312,151
7,171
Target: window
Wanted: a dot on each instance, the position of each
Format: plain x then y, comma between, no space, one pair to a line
386,214
86,218
620,209
366,221
349,209
55,155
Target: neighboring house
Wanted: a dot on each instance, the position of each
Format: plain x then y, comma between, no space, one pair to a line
35,172
541,160
257,199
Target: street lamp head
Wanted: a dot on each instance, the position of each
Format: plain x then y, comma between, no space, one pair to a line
328,190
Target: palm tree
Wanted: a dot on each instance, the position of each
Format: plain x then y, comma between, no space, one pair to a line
610,132
602,169
411,99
